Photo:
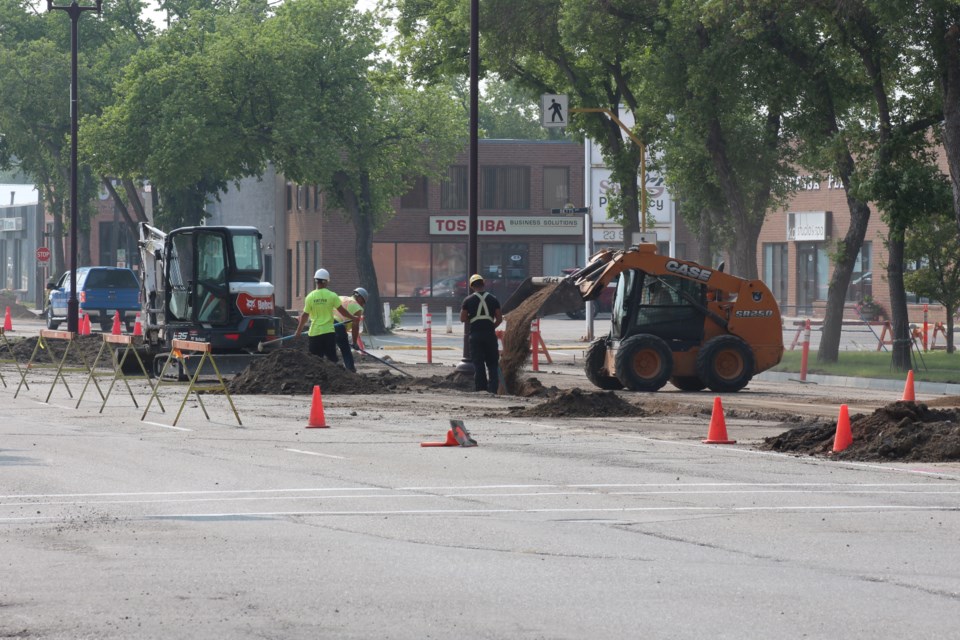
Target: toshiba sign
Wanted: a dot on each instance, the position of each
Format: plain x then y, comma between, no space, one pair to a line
508,225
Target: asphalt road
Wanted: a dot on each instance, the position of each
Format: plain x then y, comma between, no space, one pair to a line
116,527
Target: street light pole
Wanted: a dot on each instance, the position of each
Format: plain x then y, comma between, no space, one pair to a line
74,10
466,364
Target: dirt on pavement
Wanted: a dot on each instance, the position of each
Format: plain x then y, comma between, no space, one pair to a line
907,431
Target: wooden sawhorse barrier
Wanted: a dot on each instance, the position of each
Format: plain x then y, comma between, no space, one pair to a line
177,347
13,357
43,343
118,362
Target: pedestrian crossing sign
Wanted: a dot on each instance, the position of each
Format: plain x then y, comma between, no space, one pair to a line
553,110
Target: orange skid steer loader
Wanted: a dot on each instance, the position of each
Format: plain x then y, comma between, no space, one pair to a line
672,321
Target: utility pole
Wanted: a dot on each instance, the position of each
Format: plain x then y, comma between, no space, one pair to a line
74,10
466,364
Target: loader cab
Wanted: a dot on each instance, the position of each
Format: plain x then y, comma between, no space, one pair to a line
202,263
658,305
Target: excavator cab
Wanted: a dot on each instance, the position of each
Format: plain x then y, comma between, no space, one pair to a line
204,284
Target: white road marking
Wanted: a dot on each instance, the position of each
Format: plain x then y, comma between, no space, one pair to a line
166,426
314,453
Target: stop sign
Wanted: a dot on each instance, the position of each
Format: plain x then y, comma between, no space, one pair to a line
43,254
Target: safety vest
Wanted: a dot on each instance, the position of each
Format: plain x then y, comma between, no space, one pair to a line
483,313
350,304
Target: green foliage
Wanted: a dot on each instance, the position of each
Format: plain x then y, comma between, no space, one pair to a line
396,315
932,241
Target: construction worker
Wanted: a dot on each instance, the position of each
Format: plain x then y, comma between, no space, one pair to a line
319,306
354,304
482,310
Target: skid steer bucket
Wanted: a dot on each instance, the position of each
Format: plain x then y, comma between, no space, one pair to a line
564,296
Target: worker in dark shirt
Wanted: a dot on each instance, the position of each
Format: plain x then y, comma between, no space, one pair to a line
482,310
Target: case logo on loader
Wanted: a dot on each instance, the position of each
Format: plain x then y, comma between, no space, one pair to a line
689,271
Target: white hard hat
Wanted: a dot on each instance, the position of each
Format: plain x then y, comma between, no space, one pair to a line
360,291
321,274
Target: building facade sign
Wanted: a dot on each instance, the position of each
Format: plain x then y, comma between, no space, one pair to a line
808,226
508,225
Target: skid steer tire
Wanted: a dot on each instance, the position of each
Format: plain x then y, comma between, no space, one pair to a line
644,363
725,364
688,383
593,366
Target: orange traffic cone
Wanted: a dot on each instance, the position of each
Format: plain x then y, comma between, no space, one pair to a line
317,419
843,438
7,321
718,426
137,327
908,388
86,325
80,324
451,441
116,324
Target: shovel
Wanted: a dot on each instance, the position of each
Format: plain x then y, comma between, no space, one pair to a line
292,335
356,348
263,344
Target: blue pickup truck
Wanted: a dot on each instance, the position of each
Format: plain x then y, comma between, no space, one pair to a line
101,291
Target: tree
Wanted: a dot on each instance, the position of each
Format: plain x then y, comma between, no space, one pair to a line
34,105
722,104
391,132
540,45
194,111
507,111
933,243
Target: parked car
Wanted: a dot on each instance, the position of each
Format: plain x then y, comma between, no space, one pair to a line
101,292
452,287
603,303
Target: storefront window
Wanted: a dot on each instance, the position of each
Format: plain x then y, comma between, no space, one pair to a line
861,282
413,267
823,271
504,266
775,269
556,187
557,257
385,262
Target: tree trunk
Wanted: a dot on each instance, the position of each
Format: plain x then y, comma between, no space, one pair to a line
829,350
704,245
902,342
950,86
949,335
358,208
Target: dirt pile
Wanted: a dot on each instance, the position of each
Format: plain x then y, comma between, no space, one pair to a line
17,310
295,371
516,339
575,403
85,346
905,431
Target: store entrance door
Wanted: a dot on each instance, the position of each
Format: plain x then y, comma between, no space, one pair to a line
806,277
